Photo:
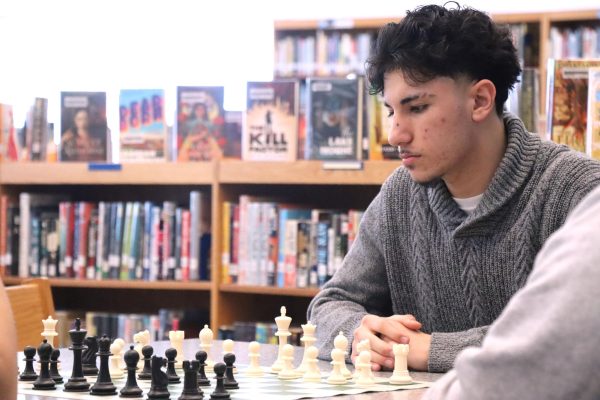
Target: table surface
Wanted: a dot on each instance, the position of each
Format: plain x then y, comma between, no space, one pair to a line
268,356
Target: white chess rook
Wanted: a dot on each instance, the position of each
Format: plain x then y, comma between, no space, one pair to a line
400,375
283,323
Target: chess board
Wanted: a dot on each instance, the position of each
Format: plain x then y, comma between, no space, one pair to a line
267,387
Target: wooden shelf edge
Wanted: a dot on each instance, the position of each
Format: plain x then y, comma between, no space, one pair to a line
118,284
269,290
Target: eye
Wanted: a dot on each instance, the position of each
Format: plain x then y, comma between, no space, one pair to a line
419,108
390,112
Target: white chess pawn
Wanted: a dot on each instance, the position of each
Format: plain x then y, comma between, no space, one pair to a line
341,343
206,339
308,338
254,368
141,339
363,367
287,371
228,346
283,323
176,338
337,377
49,332
114,369
121,343
400,375
312,373
363,345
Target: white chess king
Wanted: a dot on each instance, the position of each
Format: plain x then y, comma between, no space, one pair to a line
283,323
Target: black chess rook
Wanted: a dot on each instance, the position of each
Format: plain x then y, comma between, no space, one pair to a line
190,381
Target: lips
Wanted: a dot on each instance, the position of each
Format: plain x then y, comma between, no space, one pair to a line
408,158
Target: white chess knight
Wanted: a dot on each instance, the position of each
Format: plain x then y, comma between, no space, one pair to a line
309,339
206,339
49,332
400,375
337,377
341,343
283,323
176,338
121,343
363,368
254,368
312,373
114,369
141,339
287,370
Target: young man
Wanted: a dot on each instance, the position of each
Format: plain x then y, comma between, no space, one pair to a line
544,345
452,235
8,350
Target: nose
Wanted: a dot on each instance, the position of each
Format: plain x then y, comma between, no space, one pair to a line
399,132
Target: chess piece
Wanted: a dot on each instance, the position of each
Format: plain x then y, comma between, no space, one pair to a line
309,339
206,338
77,382
341,342
230,382
363,368
121,343
337,377
254,368
312,373
131,388
54,374
114,368
49,332
287,369
28,373
103,385
201,358
44,381
158,385
89,356
400,375
283,323
220,393
171,355
146,373
363,345
141,339
190,381
176,338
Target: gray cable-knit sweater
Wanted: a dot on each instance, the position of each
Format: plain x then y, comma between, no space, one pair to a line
418,253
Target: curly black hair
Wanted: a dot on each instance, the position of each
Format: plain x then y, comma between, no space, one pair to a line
434,41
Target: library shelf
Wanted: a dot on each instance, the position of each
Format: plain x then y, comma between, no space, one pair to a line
117,284
269,290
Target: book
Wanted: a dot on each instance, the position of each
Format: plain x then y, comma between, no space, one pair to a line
334,120
199,125
593,114
523,99
233,134
84,130
271,121
36,134
379,129
8,141
567,101
142,125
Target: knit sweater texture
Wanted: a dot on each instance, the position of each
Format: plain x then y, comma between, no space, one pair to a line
418,253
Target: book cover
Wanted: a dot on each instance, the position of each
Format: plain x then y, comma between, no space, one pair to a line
200,123
9,149
567,101
379,129
233,134
334,130
593,114
84,130
142,125
271,121
36,134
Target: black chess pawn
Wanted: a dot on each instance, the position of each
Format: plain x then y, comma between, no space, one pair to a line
131,388
146,373
88,357
29,373
230,382
202,379
159,383
54,374
77,382
220,392
190,381
44,381
104,385
171,354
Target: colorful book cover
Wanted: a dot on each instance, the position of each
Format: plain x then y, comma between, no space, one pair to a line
84,131
593,114
8,139
379,127
271,121
200,123
567,101
334,130
142,125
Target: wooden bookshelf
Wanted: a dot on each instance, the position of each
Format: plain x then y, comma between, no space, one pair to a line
117,284
269,290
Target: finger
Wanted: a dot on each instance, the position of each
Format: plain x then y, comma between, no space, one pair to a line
407,320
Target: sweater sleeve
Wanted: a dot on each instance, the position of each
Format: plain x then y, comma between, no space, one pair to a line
445,346
358,288
545,343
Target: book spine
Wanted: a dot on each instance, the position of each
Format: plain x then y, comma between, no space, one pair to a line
226,242
178,232
195,223
92,245
185,244
3,234
24,234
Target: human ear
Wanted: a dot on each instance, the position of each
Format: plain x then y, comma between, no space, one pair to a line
483,93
